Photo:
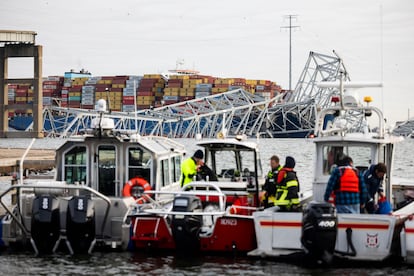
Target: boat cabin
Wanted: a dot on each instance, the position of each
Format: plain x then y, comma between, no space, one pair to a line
106,163
235,165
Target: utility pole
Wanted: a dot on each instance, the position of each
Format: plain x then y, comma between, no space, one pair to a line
290,27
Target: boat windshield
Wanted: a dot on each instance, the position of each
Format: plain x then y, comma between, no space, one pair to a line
332,155
229,165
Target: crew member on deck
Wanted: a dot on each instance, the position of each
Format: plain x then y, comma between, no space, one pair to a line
348,186
373,178
189,167
287,192
271,179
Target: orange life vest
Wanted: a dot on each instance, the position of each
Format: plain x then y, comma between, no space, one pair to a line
349,181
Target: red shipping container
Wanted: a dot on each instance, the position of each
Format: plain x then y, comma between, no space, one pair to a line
145,93
118,81
128,102
144,89
20,94
174,85
107,78
102,86
116,89
129,98
22,86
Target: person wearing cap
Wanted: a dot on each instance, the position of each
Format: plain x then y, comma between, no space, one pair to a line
287,193
373,178
271,179
349,188
189,167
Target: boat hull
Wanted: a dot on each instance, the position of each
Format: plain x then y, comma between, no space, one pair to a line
374,237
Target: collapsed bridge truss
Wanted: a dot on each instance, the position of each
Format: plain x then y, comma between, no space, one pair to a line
290,114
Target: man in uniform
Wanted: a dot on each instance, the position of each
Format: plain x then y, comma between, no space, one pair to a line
287,193
270,185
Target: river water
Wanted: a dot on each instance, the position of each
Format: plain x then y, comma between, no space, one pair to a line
129,263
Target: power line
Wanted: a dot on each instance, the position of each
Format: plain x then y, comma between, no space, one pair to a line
290,27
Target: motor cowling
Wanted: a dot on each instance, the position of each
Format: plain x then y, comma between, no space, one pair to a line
319,230
80,223
45,224
186,228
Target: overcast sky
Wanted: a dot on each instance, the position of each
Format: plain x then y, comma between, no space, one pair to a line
226,38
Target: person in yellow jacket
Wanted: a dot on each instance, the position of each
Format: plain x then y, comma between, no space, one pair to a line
189,167
287,193
271,179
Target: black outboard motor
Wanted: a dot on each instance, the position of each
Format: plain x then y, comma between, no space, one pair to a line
185,228
319,229
80,223
45,226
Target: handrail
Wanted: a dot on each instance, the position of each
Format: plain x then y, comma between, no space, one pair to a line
23,158
54,186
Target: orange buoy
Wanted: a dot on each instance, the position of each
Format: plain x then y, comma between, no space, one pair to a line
134,182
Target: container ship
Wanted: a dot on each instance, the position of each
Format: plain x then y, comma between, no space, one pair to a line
128,93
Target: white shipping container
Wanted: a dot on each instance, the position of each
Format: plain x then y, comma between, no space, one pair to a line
53,78
128,89
170,98
128,108
49,86
202,94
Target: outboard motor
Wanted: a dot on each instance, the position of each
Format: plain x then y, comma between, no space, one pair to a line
80,223
319,229
185,228
45,226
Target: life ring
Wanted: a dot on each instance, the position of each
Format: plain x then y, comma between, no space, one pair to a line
133,182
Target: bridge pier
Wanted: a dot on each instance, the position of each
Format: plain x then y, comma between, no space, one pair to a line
17,44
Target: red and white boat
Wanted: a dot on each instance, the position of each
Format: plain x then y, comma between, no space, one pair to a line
319,231
208,215
212,215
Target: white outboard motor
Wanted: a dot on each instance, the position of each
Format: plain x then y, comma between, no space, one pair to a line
80,223
45,225
319,230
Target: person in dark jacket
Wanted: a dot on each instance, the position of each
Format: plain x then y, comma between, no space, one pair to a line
287,193
348,186
373,178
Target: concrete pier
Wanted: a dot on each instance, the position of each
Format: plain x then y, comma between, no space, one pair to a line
16,44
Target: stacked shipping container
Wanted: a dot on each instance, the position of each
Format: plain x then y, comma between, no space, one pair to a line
125,93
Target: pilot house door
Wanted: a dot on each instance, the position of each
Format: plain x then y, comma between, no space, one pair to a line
107,170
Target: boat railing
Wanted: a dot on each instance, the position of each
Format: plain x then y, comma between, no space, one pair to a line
340,127
51,187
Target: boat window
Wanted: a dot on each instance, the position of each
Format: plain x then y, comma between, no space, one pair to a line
75,165
176,168
165,172
139,163
332,156
107,170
